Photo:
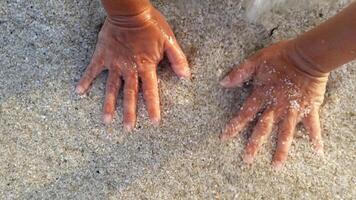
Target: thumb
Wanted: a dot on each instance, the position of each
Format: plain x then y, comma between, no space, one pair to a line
239,75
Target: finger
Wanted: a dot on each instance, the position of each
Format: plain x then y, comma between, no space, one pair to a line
246,114
260,133
177,58
239,75
312,123
92,71
150,93
285,137
130,100
112,88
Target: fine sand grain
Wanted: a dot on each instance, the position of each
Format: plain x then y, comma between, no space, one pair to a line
53,144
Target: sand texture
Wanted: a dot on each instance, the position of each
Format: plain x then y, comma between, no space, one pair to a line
53,144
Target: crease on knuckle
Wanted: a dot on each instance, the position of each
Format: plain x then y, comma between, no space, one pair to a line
180,61
111,87
146,72
130,92
150,92
285,139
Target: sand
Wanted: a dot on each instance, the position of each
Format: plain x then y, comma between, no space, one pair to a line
53,144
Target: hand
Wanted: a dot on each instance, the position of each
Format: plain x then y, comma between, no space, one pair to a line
130,47
284,94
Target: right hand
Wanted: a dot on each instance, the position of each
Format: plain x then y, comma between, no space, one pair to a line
130,47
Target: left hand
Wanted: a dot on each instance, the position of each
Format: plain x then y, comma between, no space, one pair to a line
285,94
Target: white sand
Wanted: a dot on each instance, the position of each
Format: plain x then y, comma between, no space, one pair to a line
53,144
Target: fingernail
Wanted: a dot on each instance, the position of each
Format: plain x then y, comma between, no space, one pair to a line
155,121
128,127
319,152
278,165
318,147
223,137
79,89
248,159
186,75
225,82
107,118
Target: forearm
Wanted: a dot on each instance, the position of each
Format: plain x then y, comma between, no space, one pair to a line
125,7
329,45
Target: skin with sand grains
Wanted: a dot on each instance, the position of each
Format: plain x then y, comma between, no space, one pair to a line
284,93
289,80
130,46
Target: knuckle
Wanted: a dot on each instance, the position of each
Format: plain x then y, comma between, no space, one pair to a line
181,61
285,139
130,92
254,142
145,69
110,97
111,85
150,93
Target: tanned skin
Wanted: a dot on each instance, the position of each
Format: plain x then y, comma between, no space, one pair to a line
289,80
133,40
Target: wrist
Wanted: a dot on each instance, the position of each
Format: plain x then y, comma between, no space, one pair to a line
132,21
302,61
125,7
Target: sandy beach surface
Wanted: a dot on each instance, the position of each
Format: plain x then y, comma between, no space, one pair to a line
53,144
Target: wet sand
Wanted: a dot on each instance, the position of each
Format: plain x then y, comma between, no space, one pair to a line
53,144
